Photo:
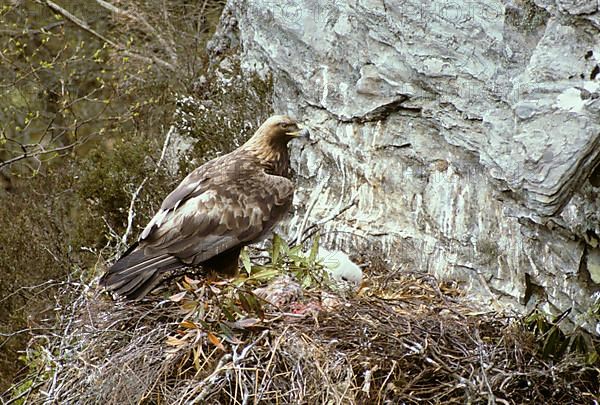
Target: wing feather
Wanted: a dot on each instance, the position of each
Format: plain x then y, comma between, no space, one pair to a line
215,208
221,206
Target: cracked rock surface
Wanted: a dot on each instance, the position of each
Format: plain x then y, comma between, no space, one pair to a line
460,138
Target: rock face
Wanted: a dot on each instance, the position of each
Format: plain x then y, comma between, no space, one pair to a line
459,138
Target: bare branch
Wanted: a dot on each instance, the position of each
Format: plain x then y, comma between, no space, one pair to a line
311,206
311,230
36,150
41,151
131,212
149,28
84,26
24,32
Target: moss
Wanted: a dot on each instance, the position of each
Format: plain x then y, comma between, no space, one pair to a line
526,16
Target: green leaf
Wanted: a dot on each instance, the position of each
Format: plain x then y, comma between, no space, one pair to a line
265,273
255,305
246,261
244,302
205,325
297,260
314,250
306,281
229,311
276,249
240,280
295,251
226,330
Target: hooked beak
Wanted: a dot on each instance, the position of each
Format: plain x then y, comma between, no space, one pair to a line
300,133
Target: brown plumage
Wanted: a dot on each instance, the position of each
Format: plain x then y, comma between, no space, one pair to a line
220,207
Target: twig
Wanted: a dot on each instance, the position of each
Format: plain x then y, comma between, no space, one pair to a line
84,26
32,287
207,383
40,152
18,332
27,392
131,213
311,206
480,349
242,356
353,201
366,387
383,384
148,26
265,375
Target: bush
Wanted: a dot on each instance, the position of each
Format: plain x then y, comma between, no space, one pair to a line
82,124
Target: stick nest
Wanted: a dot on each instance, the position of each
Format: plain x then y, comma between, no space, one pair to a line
406,338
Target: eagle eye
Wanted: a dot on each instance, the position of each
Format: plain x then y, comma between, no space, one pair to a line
284,125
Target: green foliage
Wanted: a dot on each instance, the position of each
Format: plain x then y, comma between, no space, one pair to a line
226,309
554,344
37,368
283,259
34,248
107,182
55,88
228,107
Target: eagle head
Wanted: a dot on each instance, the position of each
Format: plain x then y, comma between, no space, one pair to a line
269,143
279,129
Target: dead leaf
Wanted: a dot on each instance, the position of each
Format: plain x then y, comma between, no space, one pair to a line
189,305
188,325
233,340
191,281
178,297
245,323
215,341
173,341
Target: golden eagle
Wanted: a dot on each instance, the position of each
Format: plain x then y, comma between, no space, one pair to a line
222,206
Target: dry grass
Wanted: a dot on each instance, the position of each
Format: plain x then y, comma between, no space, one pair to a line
405,338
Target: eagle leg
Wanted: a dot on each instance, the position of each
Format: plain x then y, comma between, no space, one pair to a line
225,263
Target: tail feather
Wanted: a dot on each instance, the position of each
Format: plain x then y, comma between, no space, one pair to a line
129,284
134,275
144,287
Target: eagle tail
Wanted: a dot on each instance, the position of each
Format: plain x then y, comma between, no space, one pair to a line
135,274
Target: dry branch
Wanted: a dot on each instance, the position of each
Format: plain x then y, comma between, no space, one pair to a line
131,211
121,48
39,151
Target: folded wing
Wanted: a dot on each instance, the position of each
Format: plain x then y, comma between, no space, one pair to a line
217,209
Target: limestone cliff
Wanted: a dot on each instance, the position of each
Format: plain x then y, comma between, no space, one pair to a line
458,138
